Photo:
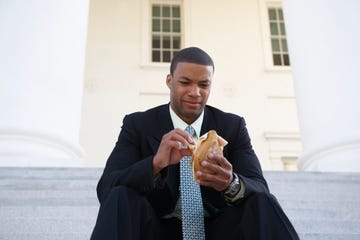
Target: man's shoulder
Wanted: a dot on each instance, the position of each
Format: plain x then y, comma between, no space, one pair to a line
215,112
149,113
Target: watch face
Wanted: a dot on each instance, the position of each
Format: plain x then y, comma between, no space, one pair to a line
234,187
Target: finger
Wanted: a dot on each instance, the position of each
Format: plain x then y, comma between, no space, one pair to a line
176,139
215,169
209,180
182,137
220,160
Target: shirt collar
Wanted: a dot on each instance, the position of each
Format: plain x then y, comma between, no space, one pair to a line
179,123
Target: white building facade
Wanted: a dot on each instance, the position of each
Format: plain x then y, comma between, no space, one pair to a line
70,72
130,42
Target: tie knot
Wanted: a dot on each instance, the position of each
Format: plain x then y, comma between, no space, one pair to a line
190,130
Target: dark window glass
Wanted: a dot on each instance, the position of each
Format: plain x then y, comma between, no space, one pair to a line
176,11
284,45
275,45
166,56
282,29
156,42
176,26
166,11
176,42
166,42
274,28
166,25
156,25
272,14
156,56
286,60
280,14
156,11
277,59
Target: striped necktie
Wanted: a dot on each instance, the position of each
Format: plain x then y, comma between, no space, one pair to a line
191,203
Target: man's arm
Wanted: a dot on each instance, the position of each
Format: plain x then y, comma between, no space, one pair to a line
245,162
124,165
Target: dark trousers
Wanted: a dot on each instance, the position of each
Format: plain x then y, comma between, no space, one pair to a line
126,215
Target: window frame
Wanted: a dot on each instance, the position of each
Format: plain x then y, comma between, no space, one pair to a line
265,5
147,36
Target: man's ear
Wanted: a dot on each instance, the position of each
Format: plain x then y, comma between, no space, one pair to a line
168,80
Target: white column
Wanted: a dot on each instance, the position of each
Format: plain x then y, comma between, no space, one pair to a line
324,44
42,54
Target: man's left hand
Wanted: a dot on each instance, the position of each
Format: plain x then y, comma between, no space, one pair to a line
216,172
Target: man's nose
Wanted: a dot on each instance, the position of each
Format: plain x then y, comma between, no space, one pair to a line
195,91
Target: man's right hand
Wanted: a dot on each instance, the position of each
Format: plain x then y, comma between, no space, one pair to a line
173,147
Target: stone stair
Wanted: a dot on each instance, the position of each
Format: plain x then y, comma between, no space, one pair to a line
61,204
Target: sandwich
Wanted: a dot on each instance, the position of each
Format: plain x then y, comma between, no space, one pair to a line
210,142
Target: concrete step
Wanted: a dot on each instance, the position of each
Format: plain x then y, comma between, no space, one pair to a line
61,203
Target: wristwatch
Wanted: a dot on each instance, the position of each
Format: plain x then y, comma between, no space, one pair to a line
233,188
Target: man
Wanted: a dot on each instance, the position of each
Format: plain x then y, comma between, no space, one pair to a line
139,190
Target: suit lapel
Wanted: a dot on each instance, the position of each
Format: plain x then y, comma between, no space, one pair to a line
208,122
162,124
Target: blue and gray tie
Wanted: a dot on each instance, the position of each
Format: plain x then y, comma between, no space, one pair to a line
191,203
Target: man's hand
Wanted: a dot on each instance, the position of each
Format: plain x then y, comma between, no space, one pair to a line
215,172
173,147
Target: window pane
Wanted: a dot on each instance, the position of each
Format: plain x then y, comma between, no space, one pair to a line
284,45
277,59
166,25
286,60
156,11
176,42
274,29
176,11
275,45
176,26
156,56
272,14
280,14
282,28
156,25
166,42
166,11
156,41
166,56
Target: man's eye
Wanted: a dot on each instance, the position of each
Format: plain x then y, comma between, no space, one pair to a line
184,83
204,85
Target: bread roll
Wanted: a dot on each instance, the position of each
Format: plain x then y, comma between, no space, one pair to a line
210,142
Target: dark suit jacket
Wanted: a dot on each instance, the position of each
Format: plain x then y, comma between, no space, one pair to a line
130,163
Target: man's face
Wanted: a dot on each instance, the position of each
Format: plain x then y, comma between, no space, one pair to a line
189,89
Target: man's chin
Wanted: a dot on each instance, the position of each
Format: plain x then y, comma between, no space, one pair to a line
193,115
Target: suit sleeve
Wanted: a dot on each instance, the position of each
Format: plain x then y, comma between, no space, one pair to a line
245,162
125,165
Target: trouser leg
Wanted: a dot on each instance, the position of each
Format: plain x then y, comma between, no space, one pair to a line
125,215
259,216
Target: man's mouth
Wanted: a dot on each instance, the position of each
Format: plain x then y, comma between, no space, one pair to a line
192,103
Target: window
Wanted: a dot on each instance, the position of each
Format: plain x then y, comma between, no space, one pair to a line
280,54
165,31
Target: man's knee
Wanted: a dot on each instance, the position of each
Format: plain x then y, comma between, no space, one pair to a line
123,191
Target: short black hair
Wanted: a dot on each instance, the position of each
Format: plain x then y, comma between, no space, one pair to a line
191,55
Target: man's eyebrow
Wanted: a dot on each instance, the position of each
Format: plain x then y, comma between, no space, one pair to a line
186,78
190,80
